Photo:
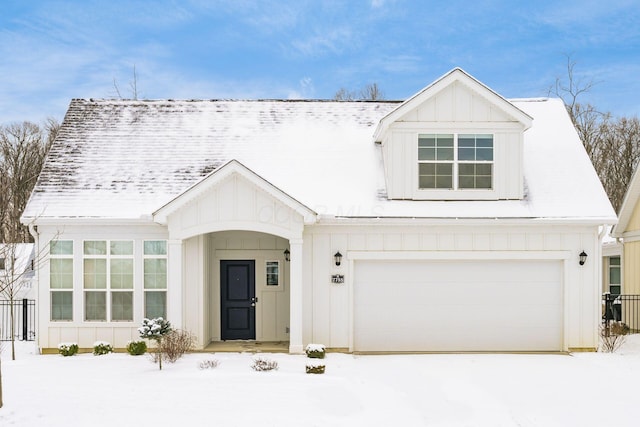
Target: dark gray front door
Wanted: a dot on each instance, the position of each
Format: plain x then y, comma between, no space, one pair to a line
237,300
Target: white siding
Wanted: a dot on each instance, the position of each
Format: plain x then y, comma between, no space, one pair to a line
455,109
331,304
235,204
50,334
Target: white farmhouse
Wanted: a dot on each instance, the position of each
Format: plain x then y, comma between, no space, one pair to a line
456,220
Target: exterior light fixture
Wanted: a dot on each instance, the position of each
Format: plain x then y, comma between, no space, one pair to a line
583,257
286,255
338,258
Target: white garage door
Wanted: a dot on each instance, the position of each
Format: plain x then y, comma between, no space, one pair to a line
458,306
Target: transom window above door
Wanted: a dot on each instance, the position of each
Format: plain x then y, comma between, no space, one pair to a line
455,161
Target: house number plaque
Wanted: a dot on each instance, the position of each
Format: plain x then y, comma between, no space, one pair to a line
337,278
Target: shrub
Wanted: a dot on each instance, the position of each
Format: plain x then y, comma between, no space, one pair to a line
67,348
101,347
315,368
262,364
612,338
136,348
315,351
155,329
209,364
174,345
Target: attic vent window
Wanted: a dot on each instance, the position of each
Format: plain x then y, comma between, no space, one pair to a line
455,161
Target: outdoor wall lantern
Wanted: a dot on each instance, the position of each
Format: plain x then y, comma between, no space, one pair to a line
338,258
286,255
583,257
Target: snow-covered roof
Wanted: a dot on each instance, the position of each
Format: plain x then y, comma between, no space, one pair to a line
455,75
23,255
119,159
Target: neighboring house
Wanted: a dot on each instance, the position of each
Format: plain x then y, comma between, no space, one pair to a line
628,231
19,273
452,221
612,266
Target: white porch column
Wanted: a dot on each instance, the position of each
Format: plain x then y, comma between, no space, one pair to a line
174,283
295,297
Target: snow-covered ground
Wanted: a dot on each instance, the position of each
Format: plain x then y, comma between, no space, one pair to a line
492,390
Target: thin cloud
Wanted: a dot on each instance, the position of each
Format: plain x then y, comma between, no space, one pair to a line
333,41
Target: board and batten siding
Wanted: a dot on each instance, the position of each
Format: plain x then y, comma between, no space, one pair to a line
235,204
456,109
631,254
631,267
51,333
328,306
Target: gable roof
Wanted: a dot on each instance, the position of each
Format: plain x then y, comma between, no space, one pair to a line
124,160
453,76
629,203
219,175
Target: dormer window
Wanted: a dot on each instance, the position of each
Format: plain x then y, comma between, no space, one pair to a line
455,161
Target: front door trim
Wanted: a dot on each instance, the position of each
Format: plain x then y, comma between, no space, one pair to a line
237,300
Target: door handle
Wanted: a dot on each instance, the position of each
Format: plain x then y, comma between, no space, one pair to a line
254,299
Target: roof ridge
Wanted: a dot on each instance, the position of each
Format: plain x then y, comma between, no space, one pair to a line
360,101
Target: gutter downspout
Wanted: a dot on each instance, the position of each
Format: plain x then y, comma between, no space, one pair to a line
33,230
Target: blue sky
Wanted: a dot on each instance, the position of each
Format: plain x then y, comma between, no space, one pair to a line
53,51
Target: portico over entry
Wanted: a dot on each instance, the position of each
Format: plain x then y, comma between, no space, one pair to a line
235,259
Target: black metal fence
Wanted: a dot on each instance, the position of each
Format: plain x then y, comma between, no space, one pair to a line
622,308
24,320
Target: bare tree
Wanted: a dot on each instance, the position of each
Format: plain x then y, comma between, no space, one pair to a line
23,147
133,86
370,92
17,262
343,94
613,144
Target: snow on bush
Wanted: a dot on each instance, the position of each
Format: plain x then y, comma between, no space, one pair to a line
315,351
101,347
262,364
315,367
67,348
209,364
155,329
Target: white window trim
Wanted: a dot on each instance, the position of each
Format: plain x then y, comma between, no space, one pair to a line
108,290
164,256
70,290
609,266
280,276
455,193
456,162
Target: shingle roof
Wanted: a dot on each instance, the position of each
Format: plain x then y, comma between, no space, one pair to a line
118,159
125,159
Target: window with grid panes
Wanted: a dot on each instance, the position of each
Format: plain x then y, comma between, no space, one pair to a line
155,278
61,280
108,280
455,161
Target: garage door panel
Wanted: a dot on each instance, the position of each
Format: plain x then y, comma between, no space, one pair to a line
458,306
